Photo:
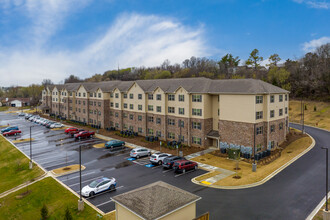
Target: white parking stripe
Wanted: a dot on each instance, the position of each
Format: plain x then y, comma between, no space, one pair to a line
85,181
105,202
59,164
165,171
85,174
184,173
57,156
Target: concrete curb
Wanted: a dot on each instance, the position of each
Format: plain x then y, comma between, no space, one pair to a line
317,209
267,178
310,126
66,173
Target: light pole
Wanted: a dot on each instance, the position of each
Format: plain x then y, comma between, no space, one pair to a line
254,165
31,163
326,179
80,201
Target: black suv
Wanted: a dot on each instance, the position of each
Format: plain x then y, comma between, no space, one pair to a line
169,161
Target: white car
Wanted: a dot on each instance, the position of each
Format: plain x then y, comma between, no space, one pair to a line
158,158
56,125
98,186
140,152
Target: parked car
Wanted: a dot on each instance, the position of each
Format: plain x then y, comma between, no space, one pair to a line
9,129
157,158
72,133
140,152
50,124
184,165
169,161
56,125
98,186
84,134
12,132
21,114
67,131
114,143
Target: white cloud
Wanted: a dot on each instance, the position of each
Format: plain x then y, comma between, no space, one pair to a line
131,40
315,4
313,44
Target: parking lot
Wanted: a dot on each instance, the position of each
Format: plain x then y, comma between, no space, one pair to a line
53,149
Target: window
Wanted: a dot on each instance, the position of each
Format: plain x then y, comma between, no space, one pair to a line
117,95
259,99
125,126
117,125
139,96
100,104
150,107
197,98
171,121
84,94
139,129
150,119
197,112
171,135
272,114
150,131
91,111
181,124
131,117
111,113
95,112
158,121
99,112
116,114
84,111
131,106
159,97
181,111
94,103
281,126
272,99
111,123
181,138
159,109
117,105
131,96
125,96
218,112
150,96
196,140
111,104
84,102
272,128
286,110
78,101
111,95
139,117
125,115
286,97
99,95
140,107
181,98
259,115
280,113
90,103
171,110
272,144
197,125
281,98
125,105
158,133
171,97
260,130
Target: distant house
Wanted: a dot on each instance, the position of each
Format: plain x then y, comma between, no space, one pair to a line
158,200
18,102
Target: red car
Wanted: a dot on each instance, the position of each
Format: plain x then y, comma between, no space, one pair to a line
12,132
72,133
184,165
84,134
68,130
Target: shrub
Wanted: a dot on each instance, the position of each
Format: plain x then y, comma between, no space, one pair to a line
67,215
44,212
305,107
314,108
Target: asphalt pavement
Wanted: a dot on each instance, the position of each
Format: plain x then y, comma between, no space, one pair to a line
291,194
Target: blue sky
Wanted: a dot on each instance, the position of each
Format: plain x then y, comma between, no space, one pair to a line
54,38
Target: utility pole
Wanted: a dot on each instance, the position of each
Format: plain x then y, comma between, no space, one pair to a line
31,163
80,201
326,182
254,165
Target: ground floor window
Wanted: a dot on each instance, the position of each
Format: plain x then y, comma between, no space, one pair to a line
125,126
158,133
260,130
131,128
139,129
171,135
281,125
272,128
117,125
150,131
181,138
272,144
197,140
111,123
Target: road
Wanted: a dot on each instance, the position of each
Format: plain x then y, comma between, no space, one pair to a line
291,194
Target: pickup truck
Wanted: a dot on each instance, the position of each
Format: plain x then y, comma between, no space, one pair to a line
84,134
72,133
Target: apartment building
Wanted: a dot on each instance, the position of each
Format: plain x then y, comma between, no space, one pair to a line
195,111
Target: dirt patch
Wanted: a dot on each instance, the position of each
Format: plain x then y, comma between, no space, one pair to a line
24,194
66,169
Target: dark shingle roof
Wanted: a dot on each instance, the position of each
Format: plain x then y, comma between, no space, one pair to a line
155,200
191,85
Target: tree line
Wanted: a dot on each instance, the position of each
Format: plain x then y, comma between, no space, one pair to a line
307,77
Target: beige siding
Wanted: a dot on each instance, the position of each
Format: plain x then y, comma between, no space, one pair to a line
177,104
124,214
186,213
215,106
135,90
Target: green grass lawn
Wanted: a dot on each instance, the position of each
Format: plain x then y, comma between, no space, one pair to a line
14,167
4,108
27,202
